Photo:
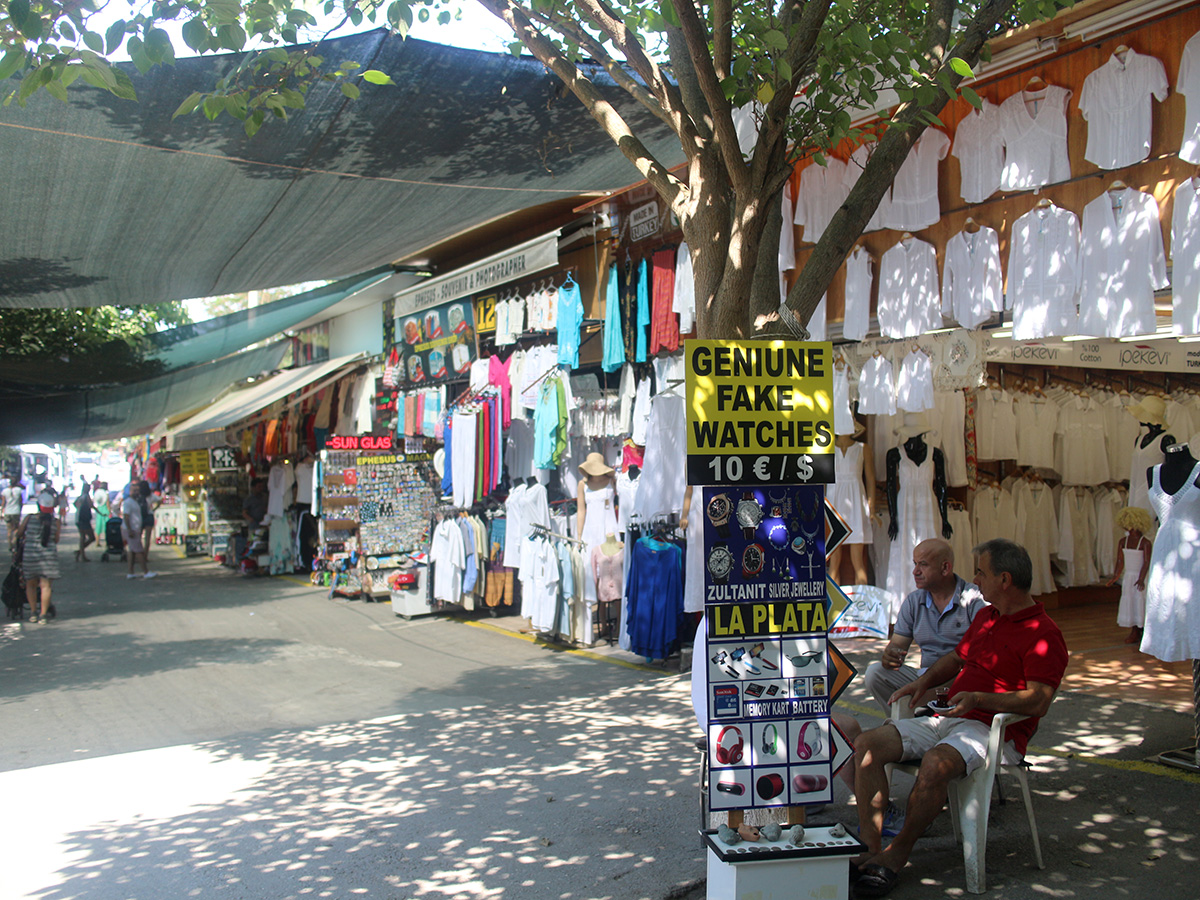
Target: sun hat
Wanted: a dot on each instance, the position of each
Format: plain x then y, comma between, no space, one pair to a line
914,424
1152,410
595,465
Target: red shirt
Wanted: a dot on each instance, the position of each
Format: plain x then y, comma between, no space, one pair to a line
1002,654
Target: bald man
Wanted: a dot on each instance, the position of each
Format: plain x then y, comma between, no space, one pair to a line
936,615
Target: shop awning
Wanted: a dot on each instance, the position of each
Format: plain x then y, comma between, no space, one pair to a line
114,201
93,415
207,429
215,338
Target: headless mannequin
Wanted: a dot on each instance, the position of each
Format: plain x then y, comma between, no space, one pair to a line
1153,434
611,546
857,551
916,449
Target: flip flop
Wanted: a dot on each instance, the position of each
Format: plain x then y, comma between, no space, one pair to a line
876,881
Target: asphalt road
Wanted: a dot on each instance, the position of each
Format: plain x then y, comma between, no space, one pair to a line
201,735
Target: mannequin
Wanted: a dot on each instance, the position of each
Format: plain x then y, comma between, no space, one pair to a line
853,496
1152,442
596,514
916,478
1172,629
607,562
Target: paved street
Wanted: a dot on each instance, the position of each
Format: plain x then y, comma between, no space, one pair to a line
203,735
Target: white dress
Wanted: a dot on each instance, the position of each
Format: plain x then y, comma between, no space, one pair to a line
1037,530
917,517
1185,253
1115,100
599,522
859,275
843,419
1172,614
1131,613
846,494
1122,264
1143,458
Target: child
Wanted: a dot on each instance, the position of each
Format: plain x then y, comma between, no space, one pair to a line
1134,563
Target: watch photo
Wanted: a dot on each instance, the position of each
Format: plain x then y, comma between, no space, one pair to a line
719,509
720,562
752,560
749,514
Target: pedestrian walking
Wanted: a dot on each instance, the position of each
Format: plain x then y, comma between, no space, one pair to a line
12,498
131,531
39,533
100,504
83,522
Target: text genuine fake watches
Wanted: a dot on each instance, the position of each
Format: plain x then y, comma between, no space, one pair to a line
719,509
752,560
720,562
749,514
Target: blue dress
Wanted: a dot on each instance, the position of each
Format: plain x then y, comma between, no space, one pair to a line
570,318
655,595
614,346
643,310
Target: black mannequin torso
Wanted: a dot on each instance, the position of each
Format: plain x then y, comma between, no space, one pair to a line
1153,434
916,450
1175,469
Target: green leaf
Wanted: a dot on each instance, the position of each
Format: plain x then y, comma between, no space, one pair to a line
515,48
68,33
374,76
350,90
188,105
774,40
11,62
213,107
765,93
124,85
973,98
93,40
961,67
115,35
253,123
57,90
196,34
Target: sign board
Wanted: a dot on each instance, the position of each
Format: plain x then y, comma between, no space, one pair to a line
360,442
771,675
485,313
759,412
193,462
435,345
196,545
222,459
1099,353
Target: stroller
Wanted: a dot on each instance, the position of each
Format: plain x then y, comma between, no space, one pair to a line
114,544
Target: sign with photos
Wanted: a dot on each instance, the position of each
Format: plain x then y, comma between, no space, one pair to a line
436,344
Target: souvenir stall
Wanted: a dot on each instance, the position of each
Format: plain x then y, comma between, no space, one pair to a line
1023,297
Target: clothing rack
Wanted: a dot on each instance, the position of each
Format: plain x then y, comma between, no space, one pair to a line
543,530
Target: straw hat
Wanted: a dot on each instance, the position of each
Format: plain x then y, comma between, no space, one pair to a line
1152,410
859,430
914,424
595,465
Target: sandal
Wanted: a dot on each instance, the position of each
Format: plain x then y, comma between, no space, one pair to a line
876,881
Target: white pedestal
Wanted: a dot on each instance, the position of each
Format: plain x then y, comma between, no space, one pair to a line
816,869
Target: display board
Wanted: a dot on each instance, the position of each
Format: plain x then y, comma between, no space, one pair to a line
759,412
434,344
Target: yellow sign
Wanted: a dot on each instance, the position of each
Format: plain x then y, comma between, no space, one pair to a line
485,313
759,412
193,462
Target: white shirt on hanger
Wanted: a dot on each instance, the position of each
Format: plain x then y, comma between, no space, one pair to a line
1115,101
860,272
972,289
915,189
1033,128
683,301
854,169
1188,84
1043,273
1185,256
448,554
822,191
876,387
909,302
980,153
914,386
1122,263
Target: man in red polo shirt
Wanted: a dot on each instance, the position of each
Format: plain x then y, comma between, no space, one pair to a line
1011,659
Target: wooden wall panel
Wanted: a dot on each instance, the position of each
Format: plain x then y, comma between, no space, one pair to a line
1163,38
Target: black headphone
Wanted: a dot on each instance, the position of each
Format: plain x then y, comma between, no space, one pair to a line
804,749
730,756
772,747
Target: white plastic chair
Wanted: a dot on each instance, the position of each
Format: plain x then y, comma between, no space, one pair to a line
970,801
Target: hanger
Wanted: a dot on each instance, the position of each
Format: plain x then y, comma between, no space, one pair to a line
570,279
907,236
1044,203
1120,52
1117,185
1037,80
971,226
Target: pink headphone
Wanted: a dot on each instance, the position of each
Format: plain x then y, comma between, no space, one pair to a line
804,749
730,756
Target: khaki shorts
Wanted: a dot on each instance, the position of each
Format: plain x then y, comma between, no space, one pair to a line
968,736
13,523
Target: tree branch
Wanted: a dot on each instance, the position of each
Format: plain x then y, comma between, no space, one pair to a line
908,124
722,13
668,186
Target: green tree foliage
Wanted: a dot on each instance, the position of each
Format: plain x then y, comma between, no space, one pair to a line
804,65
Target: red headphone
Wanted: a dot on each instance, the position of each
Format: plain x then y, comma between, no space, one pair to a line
730,756
804,749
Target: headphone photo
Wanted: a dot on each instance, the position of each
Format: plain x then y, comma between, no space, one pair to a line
730,756
770,747
804,749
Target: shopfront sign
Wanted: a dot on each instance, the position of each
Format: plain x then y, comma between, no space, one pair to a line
1167,355
771,673
193,462
360,442
222,459
511,265
759,412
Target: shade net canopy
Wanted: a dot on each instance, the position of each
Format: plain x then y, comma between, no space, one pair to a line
90,415
113,201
